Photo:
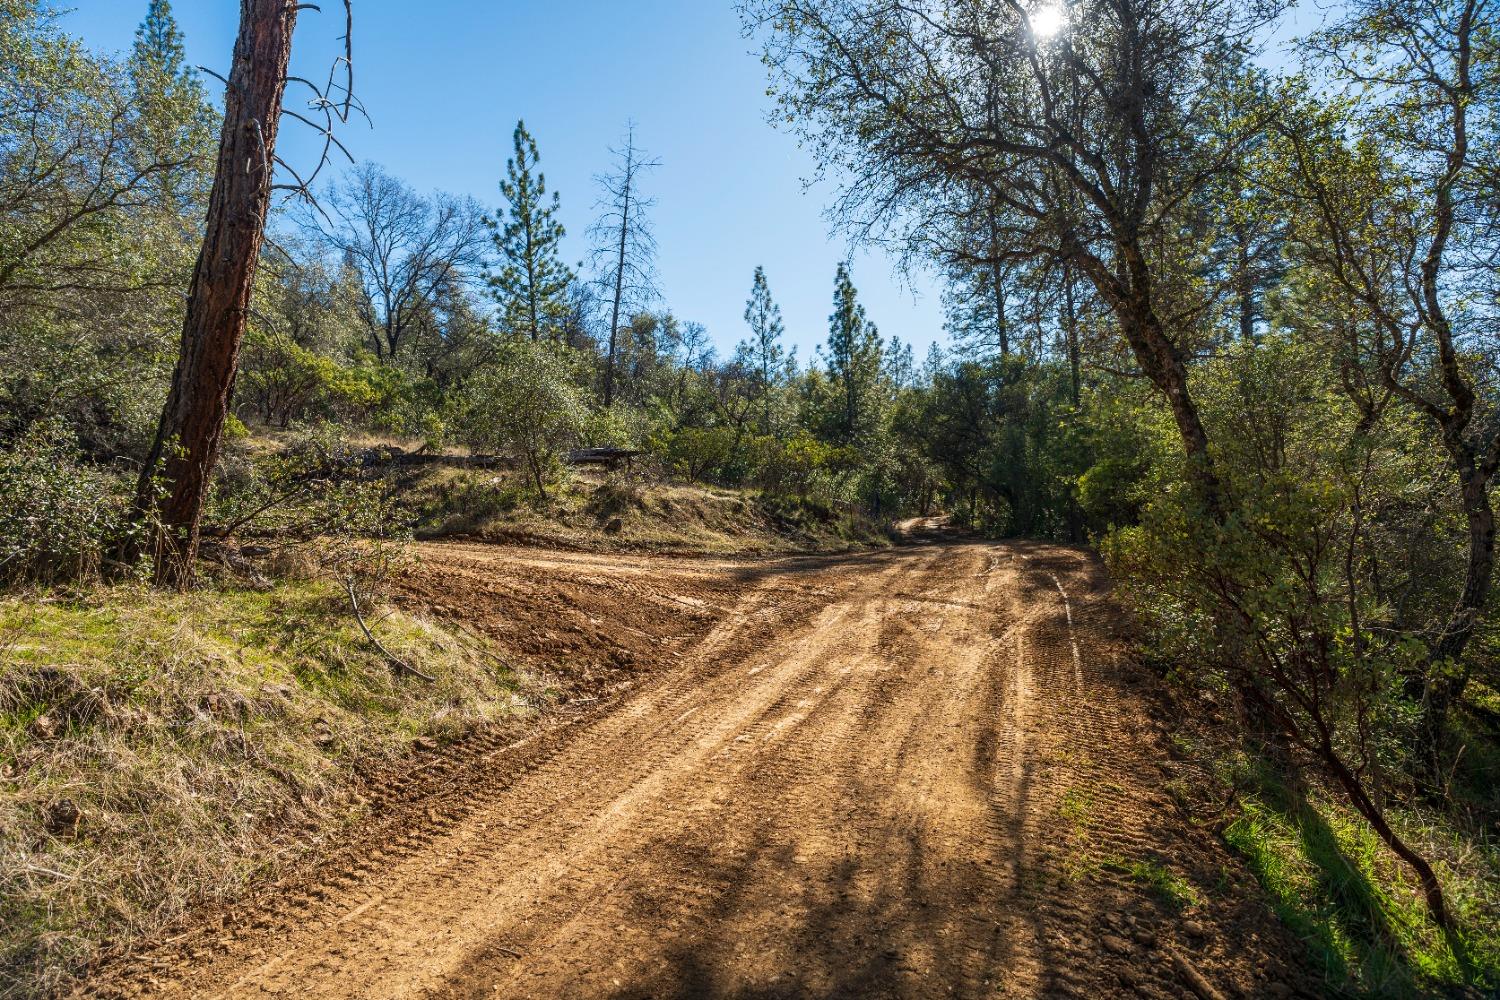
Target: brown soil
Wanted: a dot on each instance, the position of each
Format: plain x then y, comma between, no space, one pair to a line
919,772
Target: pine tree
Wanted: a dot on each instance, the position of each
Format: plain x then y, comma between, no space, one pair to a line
934,364
532,283
175,121
978,306
900,364
853,355
158,42
764,346
190,432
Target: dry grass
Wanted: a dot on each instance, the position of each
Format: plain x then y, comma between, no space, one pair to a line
603,512
195,736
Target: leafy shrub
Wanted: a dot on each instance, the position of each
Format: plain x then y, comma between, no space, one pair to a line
800,466
528,405
616,426
696,452
1295,600
58,515
284,382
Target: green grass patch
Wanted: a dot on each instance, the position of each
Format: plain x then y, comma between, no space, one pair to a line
190,731
1077,807
1338,888
1169,887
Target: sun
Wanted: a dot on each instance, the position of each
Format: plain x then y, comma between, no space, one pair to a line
1048,19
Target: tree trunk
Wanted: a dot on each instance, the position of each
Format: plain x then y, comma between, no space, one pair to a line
1443,687
192,422
1480,568
1432,889
1128,288
1245,286
536,475
765,386
614,313
997,285
531,304
1070,322
1163,365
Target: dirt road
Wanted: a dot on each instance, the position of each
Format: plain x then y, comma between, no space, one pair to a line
924,772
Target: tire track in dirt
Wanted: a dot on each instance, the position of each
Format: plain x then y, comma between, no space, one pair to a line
927,772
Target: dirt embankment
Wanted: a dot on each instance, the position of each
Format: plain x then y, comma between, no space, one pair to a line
593,512
921,772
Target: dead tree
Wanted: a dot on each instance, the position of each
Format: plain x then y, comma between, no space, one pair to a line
623,239
409,252
174,480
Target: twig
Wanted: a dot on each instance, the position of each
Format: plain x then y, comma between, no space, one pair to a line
258,511
1194,979
401,665
48,871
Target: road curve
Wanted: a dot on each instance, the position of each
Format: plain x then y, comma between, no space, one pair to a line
923,772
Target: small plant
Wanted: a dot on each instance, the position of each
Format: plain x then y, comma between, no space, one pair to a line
1168,886
1077,808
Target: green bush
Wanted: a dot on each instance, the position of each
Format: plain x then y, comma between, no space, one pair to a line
800,466
1305,600
58,515
529,406
284,382
698,452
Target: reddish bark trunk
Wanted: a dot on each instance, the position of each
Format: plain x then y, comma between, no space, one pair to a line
1432,889
192,422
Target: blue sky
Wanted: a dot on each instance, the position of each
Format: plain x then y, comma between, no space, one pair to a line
445,81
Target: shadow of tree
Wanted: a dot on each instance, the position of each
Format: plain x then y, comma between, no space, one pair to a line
1346,913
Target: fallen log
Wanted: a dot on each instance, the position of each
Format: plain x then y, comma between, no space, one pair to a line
610,458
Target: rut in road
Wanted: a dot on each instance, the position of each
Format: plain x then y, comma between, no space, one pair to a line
923,772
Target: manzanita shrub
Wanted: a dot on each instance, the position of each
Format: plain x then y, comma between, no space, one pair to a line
59,515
